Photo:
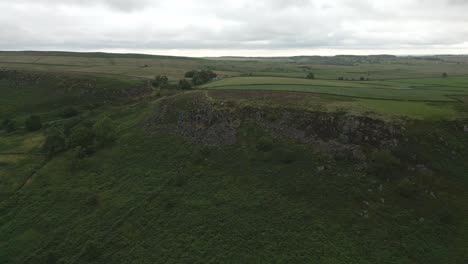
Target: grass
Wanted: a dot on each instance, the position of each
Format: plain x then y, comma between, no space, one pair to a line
218,204
153,197
248,81
415,110
432,98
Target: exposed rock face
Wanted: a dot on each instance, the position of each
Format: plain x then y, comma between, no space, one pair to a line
201,121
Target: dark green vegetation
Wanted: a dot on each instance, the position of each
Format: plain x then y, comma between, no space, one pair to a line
129,169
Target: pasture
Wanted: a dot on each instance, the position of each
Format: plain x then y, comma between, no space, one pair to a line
393,86
417,98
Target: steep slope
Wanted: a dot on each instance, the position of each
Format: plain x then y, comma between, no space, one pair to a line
192,178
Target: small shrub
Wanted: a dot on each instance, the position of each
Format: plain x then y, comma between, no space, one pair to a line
76,158
161,81
184,85
105,131
33,123
406,188
383,163
55,142
8,125
311,75
81,136
190,74
79,153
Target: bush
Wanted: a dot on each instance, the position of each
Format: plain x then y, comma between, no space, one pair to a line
202,77
104,130
311,75
79,153
81,136
9,125
161,81
190,74
33,123
184,85
54,143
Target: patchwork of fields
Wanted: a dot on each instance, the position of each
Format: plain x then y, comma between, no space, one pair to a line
401,86
424,98
428,89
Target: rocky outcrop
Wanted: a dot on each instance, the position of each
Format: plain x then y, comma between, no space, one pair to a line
213,123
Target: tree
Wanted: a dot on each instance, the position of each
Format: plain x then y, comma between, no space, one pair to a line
54,143
81,136
311,75
9,125
190,74
161,81
104,130
202,77
184,85
444,75
33,123
362,78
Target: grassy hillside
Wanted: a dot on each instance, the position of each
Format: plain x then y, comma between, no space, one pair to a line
147,66
223,175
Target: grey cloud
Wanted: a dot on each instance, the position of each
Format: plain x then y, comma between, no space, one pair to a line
232,25
122,5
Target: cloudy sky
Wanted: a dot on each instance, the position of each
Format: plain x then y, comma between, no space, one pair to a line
237,27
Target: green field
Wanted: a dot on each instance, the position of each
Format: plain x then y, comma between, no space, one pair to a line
406,90
259,166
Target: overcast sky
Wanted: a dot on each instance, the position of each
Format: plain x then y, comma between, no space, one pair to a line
237,27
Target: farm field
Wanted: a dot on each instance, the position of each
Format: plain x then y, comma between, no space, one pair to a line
434,90
348,67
